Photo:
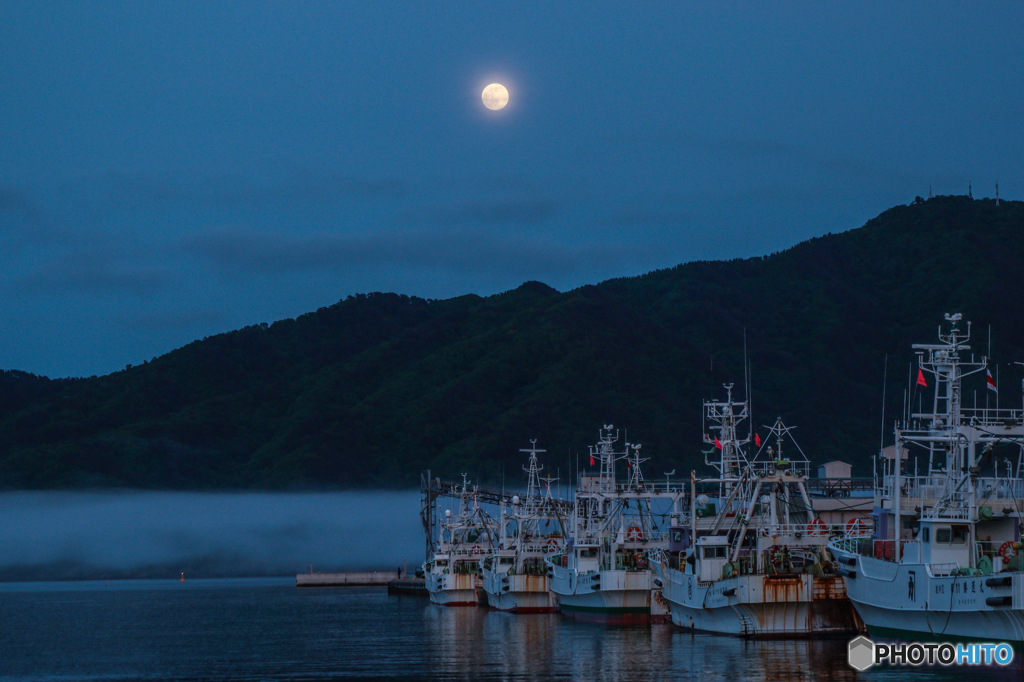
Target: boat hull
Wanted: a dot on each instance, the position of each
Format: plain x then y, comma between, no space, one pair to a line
760,606
454,590
906,602
521,593
607,597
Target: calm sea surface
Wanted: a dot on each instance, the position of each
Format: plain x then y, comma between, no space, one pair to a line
267,629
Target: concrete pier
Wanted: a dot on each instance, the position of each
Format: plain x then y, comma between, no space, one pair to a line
417,586
364,579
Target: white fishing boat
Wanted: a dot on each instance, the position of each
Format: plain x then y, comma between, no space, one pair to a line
515,576
944,562
452,575
752,561
603,574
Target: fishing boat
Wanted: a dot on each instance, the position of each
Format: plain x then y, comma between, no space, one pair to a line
603,574
944,562
752,561
514,575
453,573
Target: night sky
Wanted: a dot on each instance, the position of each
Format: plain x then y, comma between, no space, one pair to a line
173,170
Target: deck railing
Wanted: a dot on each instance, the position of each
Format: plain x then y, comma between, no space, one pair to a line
943,569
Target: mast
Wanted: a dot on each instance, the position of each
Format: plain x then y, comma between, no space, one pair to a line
533,475
725,418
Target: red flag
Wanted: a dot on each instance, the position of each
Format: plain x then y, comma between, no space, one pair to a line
920,378
757,440
717,444
990,381
591,460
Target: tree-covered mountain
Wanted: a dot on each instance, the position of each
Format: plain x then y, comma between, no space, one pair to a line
377,387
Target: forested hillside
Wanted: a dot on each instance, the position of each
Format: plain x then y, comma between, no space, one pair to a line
371,390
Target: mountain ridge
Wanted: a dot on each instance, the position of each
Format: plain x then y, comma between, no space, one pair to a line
372,389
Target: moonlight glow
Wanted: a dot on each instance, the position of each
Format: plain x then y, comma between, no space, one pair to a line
495,96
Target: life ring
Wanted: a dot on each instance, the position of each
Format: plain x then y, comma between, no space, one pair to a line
855,527
552,545
1007,549
641,561
817,527
476,549
634,534
775,556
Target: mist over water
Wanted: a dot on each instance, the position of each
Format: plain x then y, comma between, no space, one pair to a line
127,534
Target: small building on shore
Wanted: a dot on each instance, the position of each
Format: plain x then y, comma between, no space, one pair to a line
835,469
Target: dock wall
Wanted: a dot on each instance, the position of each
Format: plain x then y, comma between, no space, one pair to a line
363,579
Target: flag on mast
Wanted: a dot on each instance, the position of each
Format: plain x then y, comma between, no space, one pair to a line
717,443
920,378
990,381
591,460
757,440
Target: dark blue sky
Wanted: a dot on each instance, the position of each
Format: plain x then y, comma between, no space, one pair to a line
174,170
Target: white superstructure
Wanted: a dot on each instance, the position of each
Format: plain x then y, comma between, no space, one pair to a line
752,561
453,573
603,574
515,576
944,561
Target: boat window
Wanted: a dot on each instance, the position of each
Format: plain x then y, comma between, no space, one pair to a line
943,535
714,552
959,534
586,553
924,534
505,560
442,563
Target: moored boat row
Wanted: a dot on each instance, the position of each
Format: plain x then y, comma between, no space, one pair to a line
744,551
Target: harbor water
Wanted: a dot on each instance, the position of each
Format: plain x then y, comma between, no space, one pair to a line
267,629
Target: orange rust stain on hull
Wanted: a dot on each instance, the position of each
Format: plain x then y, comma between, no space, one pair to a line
799,605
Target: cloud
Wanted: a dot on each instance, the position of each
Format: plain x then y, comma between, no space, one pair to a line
296,187
496,211
22,221
639,216
747,147
242,252
17,202
91,271
163,319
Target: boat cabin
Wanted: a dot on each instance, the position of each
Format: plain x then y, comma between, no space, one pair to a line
586,558
712,553
942,541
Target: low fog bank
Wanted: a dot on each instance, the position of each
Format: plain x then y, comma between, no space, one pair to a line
107,535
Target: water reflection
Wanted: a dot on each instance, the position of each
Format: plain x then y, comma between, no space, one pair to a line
269,630
476,643
480,643
455,647
526,639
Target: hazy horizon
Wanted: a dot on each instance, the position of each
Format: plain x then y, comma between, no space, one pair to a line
64,535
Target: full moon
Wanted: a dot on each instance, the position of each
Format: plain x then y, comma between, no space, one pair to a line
495,96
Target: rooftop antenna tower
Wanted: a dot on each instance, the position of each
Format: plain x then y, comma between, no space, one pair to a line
533,486
929,190
970,195
997,194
